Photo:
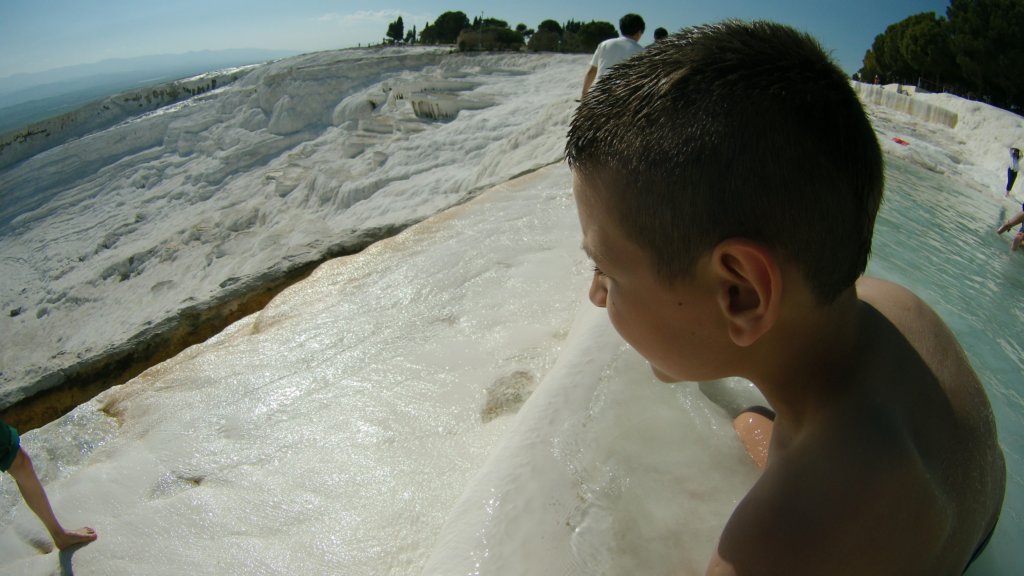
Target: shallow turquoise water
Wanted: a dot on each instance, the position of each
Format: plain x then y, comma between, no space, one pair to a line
940,242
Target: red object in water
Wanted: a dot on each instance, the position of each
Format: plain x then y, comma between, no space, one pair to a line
901,141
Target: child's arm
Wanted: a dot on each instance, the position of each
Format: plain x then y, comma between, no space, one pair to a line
588,80
1018,219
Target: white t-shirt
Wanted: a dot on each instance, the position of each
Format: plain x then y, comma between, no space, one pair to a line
612,51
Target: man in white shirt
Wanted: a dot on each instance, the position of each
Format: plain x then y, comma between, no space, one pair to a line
611,52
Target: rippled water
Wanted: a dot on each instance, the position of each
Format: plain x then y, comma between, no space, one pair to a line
940,242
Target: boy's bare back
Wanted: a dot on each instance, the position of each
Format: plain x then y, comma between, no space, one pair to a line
902,466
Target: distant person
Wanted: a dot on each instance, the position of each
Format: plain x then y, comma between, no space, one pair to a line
1019,238
1011,172
883,456
615,50
15,461
660,34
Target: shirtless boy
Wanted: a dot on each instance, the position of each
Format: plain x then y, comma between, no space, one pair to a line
727,182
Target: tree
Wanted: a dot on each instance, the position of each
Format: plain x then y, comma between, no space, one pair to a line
428,35
544,42
490,38
593,33
888,48
573,37
926,48
447,27
550,26
396,30
986,41
974,50
410,36
870,70
914,48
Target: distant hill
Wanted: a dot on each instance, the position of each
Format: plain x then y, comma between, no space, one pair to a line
27,98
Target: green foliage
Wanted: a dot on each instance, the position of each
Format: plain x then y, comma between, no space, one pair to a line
545,41
396,30
988,47
445,29
973,51
593,33
573,37
490,38
550,26
488,23
428,35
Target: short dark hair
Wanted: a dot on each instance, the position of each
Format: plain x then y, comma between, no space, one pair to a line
660,33
735,129
631,24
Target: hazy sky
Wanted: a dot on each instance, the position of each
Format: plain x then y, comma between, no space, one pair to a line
39,35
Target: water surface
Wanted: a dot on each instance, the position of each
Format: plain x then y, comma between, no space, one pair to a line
939,241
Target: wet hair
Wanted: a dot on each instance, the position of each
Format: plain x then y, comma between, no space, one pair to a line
728,130
660,33
631,24
1015,152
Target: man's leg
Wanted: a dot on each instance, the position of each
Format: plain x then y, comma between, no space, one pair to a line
35,497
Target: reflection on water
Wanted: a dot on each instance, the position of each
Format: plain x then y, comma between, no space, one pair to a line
940,242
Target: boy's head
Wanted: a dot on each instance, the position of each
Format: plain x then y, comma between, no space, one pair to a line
630,24
660,34
734,130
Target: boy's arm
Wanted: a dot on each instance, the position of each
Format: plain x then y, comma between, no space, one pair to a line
1018,219
588,80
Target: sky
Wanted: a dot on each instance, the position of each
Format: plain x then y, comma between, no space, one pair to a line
38,35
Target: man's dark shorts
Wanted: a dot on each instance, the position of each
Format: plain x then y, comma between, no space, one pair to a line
9,443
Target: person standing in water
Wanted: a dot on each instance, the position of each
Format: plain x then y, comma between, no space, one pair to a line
15,461
1011,172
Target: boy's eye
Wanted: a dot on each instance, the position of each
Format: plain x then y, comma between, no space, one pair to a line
598,271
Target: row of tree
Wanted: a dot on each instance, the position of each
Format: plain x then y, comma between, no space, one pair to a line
974,51
494,34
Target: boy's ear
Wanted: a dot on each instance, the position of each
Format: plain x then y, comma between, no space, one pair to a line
750,288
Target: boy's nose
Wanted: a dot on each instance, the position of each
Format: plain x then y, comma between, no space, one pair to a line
598,292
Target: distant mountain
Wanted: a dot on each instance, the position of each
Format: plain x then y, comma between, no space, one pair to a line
27,98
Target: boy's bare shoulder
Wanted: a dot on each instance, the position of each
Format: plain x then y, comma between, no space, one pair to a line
922,328
822,511
901,306
897,472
